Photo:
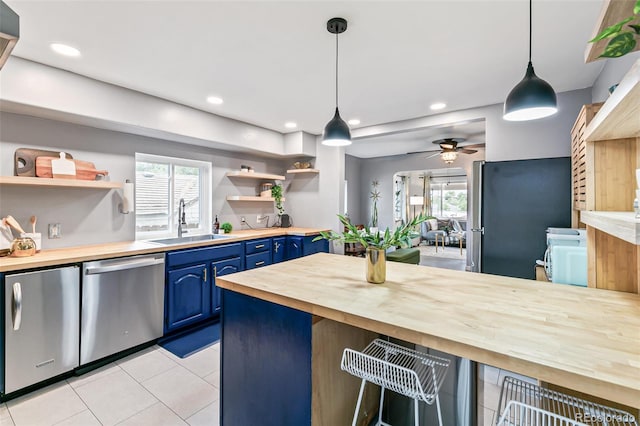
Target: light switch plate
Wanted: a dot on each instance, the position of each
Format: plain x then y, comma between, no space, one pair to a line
55,230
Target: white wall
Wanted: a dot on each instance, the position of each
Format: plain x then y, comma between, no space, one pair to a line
612,73
354,187
89,216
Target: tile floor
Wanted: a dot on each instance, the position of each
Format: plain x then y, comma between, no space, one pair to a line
489,384
151,387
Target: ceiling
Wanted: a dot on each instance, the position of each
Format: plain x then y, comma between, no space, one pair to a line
273,62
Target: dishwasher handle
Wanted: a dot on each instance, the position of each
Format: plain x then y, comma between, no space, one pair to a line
16,306
122,266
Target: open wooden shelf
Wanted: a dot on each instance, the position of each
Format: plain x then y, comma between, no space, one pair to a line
621,225
254,175
613,11
618,117
249,198
65,183
295,171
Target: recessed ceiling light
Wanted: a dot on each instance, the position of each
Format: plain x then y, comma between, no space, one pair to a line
214,100
354,121
290,125
438,105
64,49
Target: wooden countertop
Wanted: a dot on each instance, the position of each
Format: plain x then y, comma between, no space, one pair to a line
130,248
580,338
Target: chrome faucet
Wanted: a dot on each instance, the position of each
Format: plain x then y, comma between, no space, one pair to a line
181,218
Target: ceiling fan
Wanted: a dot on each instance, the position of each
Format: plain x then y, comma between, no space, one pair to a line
449,149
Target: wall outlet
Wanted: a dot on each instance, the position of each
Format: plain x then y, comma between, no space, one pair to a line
259,219
55,230
243,221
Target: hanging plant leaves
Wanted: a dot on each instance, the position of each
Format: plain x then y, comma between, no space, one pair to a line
636,8
636,28
611,31
620,45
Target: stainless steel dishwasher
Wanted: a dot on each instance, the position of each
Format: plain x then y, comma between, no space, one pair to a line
122,304
42,316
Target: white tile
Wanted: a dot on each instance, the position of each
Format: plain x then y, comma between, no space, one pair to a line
487,416
146,364
214,379
489,374
156,415
182,391
85,418
93,375
202,363
208,416
488,395
46,406
115,397
5,417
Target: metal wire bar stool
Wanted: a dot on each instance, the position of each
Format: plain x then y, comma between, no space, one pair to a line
526,404
408,372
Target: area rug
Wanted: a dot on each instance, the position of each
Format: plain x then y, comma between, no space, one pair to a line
449,252
193,341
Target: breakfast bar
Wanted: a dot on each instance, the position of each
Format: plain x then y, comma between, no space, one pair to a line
285,326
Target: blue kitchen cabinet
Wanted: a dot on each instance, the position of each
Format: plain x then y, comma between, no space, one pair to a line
188,296
219,269
190,292
279,247
258,253
298,246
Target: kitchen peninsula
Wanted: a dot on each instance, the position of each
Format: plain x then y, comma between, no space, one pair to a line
583,339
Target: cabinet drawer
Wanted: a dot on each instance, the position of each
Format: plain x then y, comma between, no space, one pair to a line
203,254
258,259
255,246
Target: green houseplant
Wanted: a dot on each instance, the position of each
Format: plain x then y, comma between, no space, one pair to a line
276,193
376,243
623,35
227,227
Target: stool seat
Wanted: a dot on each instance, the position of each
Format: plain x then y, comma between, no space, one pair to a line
405,255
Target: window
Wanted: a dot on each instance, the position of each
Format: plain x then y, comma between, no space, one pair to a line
448,199
160,184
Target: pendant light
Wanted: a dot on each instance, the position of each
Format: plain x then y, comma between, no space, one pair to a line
533,97
336,132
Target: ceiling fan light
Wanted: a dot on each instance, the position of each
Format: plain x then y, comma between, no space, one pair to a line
449,156
531,99
336,132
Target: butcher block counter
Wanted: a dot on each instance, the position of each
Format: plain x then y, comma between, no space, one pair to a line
129,248
579,338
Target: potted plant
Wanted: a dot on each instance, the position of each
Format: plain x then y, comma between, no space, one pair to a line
623,35
226,227
276,193
376,243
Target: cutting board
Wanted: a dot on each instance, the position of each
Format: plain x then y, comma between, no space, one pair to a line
25,160
85,170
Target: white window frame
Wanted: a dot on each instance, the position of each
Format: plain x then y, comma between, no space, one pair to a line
205,190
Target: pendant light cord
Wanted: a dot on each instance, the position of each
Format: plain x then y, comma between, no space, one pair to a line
336,70
530,30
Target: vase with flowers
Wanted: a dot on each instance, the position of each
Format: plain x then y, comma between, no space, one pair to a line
375,242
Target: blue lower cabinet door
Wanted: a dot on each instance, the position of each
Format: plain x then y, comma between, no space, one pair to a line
294,247
279,248
218,269
188,296
311,247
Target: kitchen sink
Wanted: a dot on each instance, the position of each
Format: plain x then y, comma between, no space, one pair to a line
190,239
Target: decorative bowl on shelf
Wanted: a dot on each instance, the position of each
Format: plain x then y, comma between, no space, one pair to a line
301,165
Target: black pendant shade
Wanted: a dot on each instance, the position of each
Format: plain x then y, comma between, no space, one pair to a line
336,132
532,98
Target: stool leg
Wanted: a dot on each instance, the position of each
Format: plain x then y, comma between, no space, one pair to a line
381,404
438,407
416,417
355,415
